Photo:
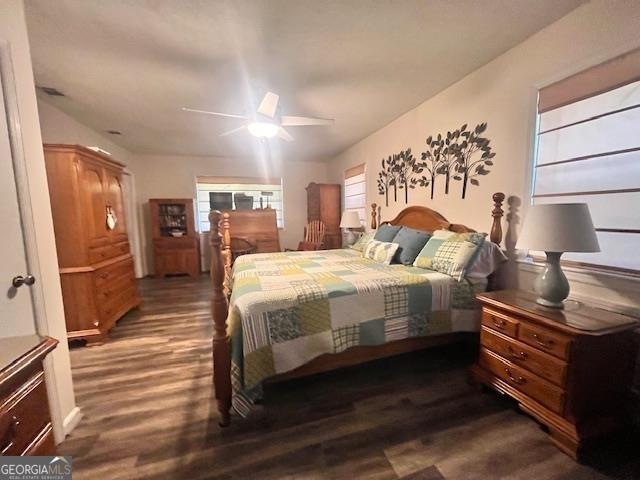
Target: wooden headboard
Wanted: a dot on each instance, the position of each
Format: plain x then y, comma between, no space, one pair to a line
423,218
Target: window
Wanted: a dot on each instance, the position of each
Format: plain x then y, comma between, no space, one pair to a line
588,150
355,191
238,193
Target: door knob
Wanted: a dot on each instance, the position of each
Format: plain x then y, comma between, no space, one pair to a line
26,280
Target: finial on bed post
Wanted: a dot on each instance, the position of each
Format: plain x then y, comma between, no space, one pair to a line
374,215
227,254
219,312
496,213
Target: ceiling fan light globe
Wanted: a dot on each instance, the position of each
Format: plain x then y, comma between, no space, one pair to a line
263,129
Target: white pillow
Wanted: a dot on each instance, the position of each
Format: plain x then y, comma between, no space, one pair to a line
382,252
488,259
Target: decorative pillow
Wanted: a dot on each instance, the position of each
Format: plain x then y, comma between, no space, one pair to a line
410,243
386,233
363,241
450,253
382,252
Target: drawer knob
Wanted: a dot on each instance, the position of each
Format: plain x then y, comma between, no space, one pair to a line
516,380
541,342
518,355
499,323
11,435
104,276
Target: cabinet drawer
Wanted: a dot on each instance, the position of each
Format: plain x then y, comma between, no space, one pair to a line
524,381
115,288
500,322
521,354
23,416
44,443
544,339
99,254
108,309
110,273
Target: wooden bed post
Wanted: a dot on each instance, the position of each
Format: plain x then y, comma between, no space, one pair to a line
219,312
374,215
227,255
496,213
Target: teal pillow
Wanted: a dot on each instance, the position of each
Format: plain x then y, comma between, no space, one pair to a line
386,233
410,243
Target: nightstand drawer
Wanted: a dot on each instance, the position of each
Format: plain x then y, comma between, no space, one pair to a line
524,381
545,340
500,322
534,360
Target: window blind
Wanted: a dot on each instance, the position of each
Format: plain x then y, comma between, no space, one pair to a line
588,150
355,191
258,189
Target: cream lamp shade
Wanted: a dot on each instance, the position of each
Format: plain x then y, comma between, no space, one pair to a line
557,228
350,219
560,227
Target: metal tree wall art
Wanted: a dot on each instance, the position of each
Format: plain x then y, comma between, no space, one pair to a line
430,164
473,156
405,169
383,183
448,155
388,177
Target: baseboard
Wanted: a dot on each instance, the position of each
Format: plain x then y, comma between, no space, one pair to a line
71,421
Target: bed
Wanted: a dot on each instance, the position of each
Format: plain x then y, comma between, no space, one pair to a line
293,314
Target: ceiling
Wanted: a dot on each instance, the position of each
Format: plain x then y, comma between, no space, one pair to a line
129,65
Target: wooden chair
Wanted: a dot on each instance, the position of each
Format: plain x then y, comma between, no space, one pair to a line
241,246
313,236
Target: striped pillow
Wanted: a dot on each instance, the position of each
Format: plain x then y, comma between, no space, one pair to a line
382,252
450,253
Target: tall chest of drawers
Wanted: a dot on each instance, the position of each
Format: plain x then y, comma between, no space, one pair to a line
94,259
570,369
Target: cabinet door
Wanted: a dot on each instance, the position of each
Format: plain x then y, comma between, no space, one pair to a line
114,200
93,204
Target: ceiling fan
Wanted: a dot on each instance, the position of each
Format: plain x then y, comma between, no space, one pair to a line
267,121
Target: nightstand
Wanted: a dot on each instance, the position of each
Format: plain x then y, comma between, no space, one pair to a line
570,369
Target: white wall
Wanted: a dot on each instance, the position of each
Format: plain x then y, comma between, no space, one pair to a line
58,127
504,93
163,176
58,371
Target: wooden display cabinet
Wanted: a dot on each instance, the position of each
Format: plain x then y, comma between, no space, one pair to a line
175,241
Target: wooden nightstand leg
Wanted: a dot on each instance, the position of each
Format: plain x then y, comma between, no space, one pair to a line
564,442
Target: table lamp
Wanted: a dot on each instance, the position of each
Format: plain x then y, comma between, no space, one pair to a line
350,220
555,229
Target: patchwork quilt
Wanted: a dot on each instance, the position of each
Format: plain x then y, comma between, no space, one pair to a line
288,308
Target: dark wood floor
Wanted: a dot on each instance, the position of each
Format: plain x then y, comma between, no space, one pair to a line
149,412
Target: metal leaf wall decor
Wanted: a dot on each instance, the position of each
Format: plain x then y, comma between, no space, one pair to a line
462,155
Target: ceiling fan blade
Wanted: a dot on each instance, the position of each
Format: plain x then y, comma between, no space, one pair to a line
289,121
218,114
269,104
283,134
232,131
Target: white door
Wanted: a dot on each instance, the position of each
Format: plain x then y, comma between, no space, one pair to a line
16,307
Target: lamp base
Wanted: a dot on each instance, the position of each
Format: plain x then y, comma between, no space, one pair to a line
351,237
552,285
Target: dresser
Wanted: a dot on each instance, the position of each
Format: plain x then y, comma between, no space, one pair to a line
176,247
95,263
25,421
324,203
570,369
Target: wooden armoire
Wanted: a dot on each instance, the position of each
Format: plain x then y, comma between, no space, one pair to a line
176,248
323,203
96,266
